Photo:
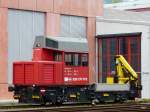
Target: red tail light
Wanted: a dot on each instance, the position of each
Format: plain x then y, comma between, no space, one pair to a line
42,91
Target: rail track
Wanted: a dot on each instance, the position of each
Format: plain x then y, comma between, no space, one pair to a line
83,108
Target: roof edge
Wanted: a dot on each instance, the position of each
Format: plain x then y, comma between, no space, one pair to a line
118,35
101,19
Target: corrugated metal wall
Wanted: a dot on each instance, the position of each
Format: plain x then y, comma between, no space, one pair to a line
73,26
23,26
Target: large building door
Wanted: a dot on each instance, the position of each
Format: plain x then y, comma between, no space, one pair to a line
129,46
23,26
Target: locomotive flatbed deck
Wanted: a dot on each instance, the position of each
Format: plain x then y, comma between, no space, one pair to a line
100,87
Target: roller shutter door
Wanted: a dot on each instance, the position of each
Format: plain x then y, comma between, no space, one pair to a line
23,26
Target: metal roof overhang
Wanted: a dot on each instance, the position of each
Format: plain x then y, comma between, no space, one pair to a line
68,44
118,35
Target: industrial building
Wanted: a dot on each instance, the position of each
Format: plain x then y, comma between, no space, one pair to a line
22,20
126,33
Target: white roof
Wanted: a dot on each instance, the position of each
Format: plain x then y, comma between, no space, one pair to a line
128,16
129,5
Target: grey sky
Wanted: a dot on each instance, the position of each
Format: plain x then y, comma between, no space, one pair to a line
141,1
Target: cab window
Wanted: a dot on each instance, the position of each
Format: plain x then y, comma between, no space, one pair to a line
57,56
84,60
68,59
75,59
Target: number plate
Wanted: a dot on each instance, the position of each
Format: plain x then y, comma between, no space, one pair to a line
105,94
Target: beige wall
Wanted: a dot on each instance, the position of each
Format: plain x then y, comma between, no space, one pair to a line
53,10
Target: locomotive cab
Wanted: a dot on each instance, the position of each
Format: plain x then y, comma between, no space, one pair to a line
75,61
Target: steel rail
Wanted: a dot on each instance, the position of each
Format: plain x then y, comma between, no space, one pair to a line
87,108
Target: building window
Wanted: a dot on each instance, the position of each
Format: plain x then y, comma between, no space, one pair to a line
73,26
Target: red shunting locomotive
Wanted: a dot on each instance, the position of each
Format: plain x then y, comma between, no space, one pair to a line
59,73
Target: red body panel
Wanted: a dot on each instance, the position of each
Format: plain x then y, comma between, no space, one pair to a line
42,54
37,73
76,75
45,70
49,73
28,73
58,73
18,73
46,73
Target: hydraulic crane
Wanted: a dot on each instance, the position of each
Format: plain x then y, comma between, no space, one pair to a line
125,73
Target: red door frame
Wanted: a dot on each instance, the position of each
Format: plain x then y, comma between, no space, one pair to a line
108,57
